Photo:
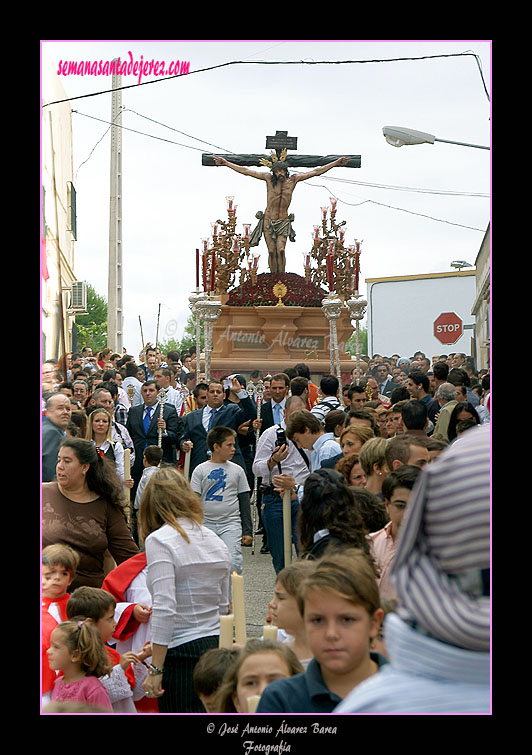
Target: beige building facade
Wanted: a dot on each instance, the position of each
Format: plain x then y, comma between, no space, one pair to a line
58,218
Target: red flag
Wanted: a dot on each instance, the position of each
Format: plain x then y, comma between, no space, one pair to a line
44,266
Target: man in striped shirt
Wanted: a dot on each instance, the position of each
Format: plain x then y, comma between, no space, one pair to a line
438,641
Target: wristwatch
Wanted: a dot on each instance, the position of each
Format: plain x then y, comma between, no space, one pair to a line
154,671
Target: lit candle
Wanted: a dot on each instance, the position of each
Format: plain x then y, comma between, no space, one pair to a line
324,213
253,701
237,588
269,632
247,226
333,204
226,631
214,227
316,233
229,203
197,269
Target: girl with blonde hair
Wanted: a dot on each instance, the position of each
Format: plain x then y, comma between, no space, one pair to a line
188,569
77,650
98,431
373,462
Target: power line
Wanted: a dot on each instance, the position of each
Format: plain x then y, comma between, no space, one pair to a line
178,131
441,192
280,63
230,152
136,131
400,209
351,204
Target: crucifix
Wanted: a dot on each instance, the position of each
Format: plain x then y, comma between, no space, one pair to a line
275,223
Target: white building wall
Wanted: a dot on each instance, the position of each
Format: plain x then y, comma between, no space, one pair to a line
402,310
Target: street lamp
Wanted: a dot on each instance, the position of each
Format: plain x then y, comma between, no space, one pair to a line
398,137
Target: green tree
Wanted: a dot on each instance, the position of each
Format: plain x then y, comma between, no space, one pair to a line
350,346
92,327
188,339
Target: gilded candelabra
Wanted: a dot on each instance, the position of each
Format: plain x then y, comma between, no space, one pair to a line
228,254
329,262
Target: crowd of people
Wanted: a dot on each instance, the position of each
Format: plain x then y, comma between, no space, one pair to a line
154,482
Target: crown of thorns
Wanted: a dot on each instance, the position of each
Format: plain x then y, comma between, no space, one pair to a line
274,159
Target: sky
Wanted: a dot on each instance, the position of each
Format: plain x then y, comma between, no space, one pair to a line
415,208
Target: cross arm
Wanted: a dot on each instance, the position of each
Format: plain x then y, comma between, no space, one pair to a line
292,161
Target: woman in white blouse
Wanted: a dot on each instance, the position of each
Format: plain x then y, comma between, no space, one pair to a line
188,578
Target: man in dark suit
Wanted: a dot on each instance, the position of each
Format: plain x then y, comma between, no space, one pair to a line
54,425
272,411
196,425
143,423
386,384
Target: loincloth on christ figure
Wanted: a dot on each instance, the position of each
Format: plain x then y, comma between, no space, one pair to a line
275,228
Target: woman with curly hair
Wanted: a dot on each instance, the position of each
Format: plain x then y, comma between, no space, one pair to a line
328,515
84,508
350,467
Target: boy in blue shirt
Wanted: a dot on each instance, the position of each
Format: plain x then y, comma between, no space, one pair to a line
339,602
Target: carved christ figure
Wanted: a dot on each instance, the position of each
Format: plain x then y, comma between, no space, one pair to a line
275,223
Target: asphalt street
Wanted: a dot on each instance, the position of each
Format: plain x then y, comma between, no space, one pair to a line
259,581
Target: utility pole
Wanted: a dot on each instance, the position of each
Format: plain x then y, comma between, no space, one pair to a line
114,298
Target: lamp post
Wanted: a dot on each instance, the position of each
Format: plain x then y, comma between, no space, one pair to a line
398,136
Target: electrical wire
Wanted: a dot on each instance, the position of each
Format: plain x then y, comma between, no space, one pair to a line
409,189
136,131
198,149
228,151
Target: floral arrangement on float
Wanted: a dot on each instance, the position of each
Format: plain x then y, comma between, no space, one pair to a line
299,292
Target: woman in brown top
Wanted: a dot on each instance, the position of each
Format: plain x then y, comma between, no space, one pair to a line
84,509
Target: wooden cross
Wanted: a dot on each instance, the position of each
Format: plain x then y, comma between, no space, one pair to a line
281,141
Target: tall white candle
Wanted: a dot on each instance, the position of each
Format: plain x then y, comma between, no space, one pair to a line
226,631
287,528
239,611
253,701
186,470
127,469
269,632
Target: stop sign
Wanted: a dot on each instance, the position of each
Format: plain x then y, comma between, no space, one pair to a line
448,327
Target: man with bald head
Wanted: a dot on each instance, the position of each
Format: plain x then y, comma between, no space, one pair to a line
54,425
